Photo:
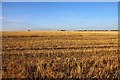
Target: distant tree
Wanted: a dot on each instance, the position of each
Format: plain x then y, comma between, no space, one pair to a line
62,30
28,30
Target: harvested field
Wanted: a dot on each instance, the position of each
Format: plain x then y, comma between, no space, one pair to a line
60,54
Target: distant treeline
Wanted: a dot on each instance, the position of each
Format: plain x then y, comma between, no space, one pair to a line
97,30
90,30
85,30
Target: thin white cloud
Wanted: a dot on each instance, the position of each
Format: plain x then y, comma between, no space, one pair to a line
1,17
11,20
14,21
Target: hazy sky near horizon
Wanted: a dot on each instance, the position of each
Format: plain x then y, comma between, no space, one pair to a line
59,15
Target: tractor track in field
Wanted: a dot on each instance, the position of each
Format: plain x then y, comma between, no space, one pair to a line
58,48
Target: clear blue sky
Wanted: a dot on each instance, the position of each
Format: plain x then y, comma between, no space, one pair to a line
59,15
